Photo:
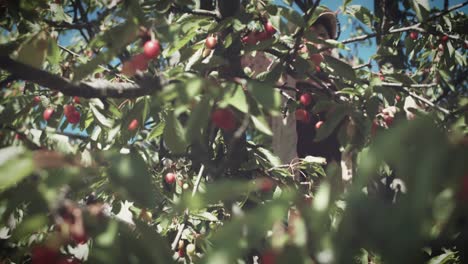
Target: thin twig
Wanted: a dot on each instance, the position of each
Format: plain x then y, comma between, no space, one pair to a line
186,212
408,28
402,88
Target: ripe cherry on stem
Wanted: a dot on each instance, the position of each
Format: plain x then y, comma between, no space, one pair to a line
151,49
210,42
133,125
48,114
305,99
302,115
170,178
224,119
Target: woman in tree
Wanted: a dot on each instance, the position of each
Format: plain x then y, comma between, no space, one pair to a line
294,133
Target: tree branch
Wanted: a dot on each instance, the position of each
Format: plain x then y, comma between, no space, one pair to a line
144,85
199,12
408,28
402,88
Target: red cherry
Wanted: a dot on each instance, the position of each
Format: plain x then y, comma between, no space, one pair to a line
316,58
151,49
318,124
381,77
269,28
210,42
224,119
73,117
170,178
44,255
133,125
302,115
397,98
76,99
414,35
317,69
64,260
444,38
128,68
250,38
18,136
374,127
262,35
388,120
464,188
305,99
266,184
140,62
268,257
37,99
68,109
48,114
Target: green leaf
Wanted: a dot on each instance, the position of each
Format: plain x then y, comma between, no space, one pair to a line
15,165
53,52
262,125
292,16
130,178
363,14
33,51
157,130
334,117
29,226
174,134
204,216
340,68
180,43
265,94
114,40
59,15
103,120
238,100
198,120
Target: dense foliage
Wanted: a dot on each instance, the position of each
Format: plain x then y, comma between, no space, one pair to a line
130,133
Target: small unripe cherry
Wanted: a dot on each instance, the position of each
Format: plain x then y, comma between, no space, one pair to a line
318,124
48,114
185,186
190,249
76,99
151,49
444,38
302,115
170,178
224,119
413,35
269,28
210,42
133,125
145,215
